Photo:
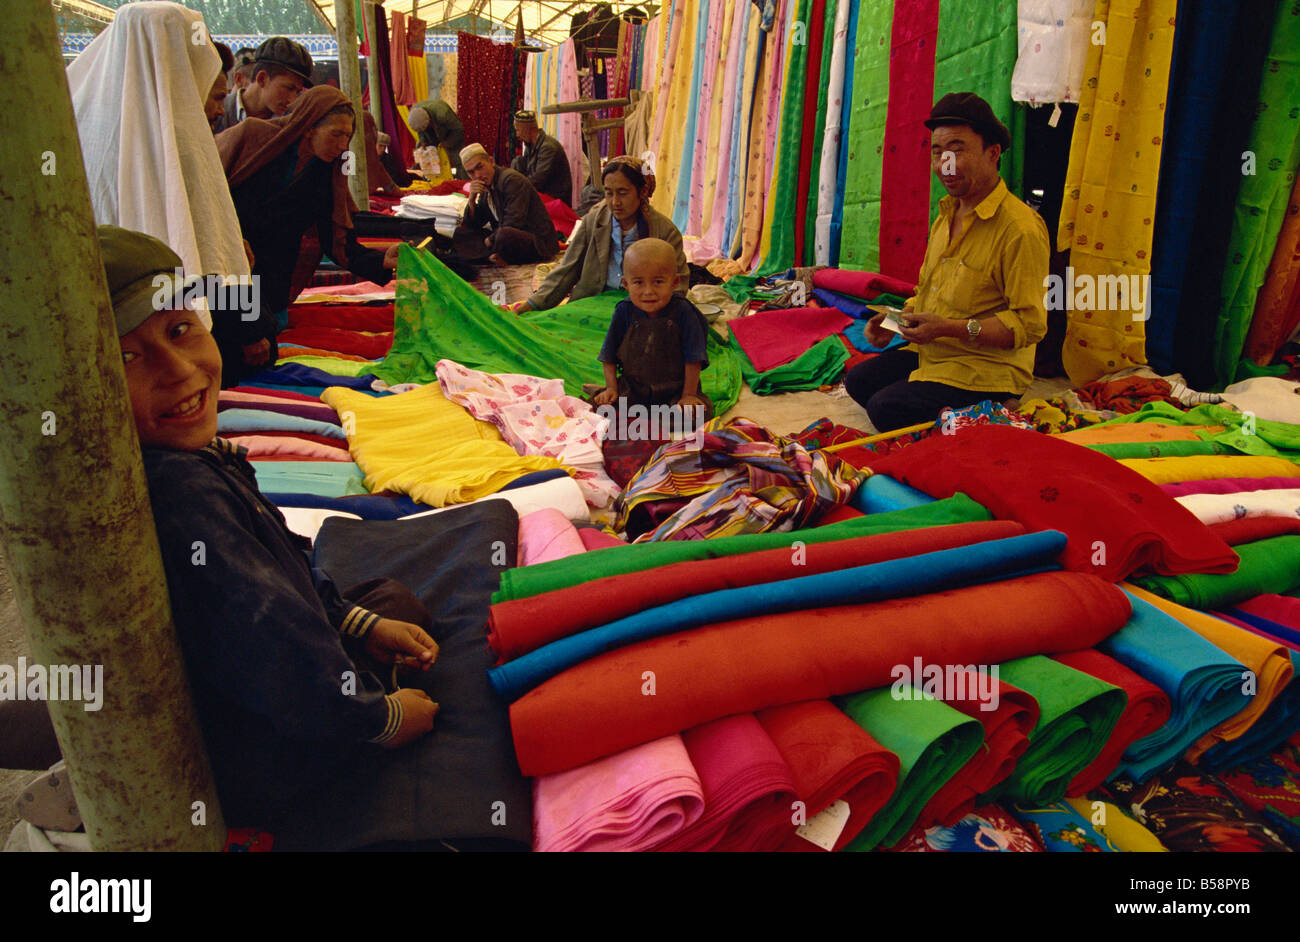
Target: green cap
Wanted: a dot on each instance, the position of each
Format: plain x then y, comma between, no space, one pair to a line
132,263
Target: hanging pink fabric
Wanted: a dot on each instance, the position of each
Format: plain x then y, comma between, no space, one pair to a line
710,245
771,338
905,173
704,117
400,65
569,126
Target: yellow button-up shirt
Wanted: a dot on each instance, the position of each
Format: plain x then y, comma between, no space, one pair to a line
998,266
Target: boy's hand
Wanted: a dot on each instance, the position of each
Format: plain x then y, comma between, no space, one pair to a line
399,642
390,256
418,711
689,401
606,396
257,354
519,307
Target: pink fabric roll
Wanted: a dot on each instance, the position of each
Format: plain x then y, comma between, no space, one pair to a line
629,801
748,788
771,338
545,535
1227,486
262,446
861,284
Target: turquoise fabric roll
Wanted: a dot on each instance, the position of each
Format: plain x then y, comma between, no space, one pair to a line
251,421
322,478
880,494
1204,684
896,578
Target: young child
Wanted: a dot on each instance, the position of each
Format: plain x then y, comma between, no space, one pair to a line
268,640
654,350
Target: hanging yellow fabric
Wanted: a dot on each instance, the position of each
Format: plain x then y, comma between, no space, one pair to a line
419,77
1110,187
758,175
744,144
668,162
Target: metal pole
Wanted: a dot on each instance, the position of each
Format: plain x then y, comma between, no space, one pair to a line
75,519
350,83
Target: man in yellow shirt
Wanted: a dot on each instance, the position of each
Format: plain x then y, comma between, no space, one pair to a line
978,311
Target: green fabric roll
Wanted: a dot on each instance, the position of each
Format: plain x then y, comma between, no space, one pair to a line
1269,566
438,316
976,51
780,253
1264,194
819,365
332,365
619,560
1119,450
1079,712
1269,438
860,232
932,741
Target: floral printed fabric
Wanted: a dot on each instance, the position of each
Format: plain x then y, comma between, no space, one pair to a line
535,417
1270,786
986,830
1058,827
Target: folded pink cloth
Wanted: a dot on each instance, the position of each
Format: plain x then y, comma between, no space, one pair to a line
861,284
360,287
771,338
545,535
1227,486
748,788
632,800
264,446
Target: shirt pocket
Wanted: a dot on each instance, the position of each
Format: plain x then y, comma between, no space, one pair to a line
967,290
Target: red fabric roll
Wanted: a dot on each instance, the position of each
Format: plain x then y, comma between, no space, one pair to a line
278,393
523,625
1006,737
747,787
861,284
594,539
1282,609
1250,529
771,338
562,217
831,759
371,346
377,317
1148,709
1116,520
647,690
839,515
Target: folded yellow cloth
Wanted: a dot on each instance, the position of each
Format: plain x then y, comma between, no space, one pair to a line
1136,432
422,444
1117,827
1208,467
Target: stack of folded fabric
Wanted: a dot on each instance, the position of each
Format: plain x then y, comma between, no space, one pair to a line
445,211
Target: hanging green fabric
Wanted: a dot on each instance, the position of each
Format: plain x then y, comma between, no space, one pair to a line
976,51
780,254
438,316
860,235
932,741
1262,200
819,365
1079,712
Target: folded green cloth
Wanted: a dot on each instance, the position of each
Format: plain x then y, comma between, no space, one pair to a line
438,316
533,580
332,365
1079,712
1269,566
819,365
1118,450
932,741
1270,438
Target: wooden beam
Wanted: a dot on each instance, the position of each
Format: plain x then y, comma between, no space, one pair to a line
569,107
320,15
568,9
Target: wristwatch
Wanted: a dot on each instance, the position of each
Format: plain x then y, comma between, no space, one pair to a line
973,329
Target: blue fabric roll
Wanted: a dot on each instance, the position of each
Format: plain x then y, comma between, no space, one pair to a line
235,421
1275,726
847,304
367,506
880,494
1204,684
295,374
325,478
912,575
1285,632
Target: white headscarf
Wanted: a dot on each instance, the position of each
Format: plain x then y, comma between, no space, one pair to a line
138,92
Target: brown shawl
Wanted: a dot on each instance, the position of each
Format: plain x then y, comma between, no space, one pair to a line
254,142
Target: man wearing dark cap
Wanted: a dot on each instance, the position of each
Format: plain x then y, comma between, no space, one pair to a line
543,161
978,310
436,125
281,70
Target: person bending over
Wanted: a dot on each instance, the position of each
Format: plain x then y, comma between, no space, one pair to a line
436,125
978,310
270,644
655,347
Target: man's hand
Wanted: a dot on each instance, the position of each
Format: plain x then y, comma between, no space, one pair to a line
477,187
606,396
519,307
924,327
391,641
418,711
256,354
390,256
877,335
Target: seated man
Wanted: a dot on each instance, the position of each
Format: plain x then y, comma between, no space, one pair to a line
281,70
543,161
436,125
277,658
505,220
978,310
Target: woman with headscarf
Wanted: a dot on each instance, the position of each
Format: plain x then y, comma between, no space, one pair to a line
286,177
593,261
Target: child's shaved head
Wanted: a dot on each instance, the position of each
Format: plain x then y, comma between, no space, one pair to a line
645,255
